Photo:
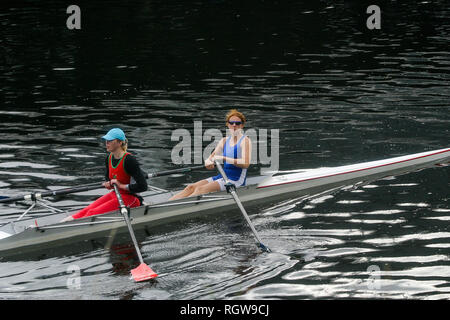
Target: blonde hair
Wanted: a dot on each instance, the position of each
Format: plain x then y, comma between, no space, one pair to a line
234,112
124,144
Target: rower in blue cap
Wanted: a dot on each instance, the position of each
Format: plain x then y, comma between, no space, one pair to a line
122,169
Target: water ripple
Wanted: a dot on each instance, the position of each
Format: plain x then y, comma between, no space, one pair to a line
337,95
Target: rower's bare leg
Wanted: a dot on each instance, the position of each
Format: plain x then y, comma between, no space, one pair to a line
69,218
207,188
189,190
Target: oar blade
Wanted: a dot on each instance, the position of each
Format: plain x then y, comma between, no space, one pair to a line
142,273
264,248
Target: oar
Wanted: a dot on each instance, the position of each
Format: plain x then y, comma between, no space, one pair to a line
91,186
39,195
173,171
232,189
142,272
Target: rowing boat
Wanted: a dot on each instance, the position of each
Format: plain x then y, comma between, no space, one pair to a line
47,230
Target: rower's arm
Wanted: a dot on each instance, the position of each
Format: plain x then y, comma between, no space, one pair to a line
133,168
107,169
217,151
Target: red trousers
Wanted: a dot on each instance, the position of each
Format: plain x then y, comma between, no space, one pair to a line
107,203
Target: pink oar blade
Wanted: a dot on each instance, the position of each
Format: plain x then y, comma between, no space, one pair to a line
143,272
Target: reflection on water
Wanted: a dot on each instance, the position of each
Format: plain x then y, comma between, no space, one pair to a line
338,93
339,246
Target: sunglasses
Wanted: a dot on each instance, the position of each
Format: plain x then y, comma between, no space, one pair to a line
238,123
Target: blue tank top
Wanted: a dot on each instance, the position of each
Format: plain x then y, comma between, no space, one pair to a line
233,172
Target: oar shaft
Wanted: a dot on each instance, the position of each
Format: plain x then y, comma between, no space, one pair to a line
239,204
237,200
231,189
142,272
90,186
169,172
124,211
40,195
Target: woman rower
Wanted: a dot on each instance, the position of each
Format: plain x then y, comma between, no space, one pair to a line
122,169
234,151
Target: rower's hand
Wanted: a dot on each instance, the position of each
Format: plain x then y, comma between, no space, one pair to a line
120,185
108,185
209,164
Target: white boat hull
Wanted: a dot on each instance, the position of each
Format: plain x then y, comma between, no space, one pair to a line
17,239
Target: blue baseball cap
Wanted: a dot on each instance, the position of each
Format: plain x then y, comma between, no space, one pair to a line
113,134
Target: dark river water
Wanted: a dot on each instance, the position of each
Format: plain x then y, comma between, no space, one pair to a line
337,92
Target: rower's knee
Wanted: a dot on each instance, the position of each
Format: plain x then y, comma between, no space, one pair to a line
199,190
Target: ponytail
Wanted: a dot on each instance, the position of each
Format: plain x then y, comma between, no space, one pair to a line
124,145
